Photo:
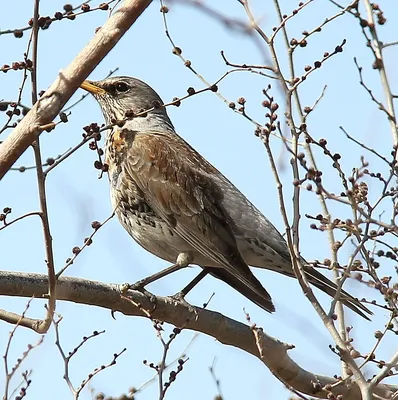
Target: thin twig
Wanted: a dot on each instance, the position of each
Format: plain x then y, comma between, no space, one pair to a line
42,326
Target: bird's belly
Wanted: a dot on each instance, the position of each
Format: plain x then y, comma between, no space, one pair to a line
153,234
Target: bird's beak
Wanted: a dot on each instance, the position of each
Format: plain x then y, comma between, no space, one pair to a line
91,88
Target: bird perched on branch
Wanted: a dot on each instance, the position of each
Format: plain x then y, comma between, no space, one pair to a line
176,205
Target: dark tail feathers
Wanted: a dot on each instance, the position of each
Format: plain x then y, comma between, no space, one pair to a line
258,295
255,292
321,282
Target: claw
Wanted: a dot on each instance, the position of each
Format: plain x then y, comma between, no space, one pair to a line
180,298
139,287
151,297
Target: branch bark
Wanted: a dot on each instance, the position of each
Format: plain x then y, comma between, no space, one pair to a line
51,103
272,352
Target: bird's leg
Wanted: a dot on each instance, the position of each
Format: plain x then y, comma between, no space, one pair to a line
182,293
152,278
183,260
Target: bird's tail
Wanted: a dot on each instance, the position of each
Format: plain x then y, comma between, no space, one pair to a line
249,287
321,282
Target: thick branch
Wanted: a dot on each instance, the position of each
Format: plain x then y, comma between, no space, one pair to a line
227,331
51,103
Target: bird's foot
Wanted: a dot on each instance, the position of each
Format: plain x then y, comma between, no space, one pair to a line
140,287
180,298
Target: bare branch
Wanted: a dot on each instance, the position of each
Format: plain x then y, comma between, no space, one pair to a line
224,329
50,104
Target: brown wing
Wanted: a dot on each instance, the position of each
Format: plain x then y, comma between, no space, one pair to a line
177,184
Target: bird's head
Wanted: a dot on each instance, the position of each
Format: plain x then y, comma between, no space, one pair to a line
122,94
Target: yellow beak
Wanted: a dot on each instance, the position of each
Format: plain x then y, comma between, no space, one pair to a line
90,87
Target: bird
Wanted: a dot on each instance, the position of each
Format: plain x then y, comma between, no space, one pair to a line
179,207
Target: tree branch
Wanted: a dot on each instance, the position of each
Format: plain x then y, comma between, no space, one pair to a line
272,352
51,103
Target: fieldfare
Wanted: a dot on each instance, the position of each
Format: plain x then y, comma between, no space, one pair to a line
176,205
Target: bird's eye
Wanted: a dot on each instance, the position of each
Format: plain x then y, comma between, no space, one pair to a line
121,87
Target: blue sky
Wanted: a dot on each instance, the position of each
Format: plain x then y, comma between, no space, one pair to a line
77,197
